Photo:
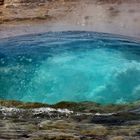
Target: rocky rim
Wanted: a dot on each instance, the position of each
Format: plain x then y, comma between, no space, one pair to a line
30,16
69,121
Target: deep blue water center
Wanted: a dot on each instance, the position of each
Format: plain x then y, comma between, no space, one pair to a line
70,66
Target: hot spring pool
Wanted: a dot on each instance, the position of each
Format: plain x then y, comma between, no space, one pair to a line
70,66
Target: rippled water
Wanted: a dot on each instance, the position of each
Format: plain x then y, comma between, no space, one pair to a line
70,66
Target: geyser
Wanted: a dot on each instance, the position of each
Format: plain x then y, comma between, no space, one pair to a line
70,66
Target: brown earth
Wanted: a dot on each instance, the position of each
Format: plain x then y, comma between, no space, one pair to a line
19,17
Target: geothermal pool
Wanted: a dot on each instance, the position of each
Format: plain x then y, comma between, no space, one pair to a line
70,66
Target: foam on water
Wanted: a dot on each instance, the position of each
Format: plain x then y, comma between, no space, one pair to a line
70,66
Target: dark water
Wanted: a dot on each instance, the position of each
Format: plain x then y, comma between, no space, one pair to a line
70,66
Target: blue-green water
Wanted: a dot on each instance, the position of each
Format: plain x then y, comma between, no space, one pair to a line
70,66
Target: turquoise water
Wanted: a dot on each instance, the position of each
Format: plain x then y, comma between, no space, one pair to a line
70,66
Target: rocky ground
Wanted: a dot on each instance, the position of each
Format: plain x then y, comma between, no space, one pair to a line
19,17
80,121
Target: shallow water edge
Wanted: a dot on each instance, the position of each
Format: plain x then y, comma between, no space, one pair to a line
89,107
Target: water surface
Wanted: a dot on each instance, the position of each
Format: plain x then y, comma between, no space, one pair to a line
70,66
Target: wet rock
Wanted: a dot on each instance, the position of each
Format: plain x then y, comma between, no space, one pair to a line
115,119
58,124
40,121
107,120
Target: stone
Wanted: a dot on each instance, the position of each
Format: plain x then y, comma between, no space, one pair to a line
1,2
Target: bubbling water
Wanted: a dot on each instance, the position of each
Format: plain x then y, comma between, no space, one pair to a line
70,66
